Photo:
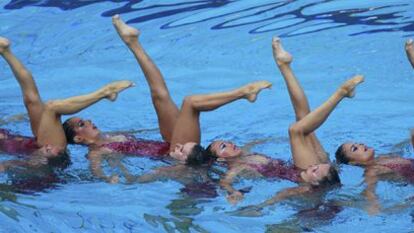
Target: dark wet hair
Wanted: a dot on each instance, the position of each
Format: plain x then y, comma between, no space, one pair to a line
198,156
332,178
69,131
210,153
340,155
62,160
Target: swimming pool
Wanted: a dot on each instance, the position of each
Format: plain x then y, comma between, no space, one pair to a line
206,46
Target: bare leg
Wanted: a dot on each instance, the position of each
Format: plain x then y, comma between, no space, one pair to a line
409,49
31,97
75,104
167,111
297,96
187,128
303,154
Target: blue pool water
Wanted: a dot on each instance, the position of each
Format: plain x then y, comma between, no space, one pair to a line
206,46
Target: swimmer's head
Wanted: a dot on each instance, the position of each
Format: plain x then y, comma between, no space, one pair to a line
80,131
354,153
223,150
198,156
321,175
49,151
61,161
190,153
56,156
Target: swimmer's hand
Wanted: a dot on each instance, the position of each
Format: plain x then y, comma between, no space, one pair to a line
373,209
114,179
235,197
111,90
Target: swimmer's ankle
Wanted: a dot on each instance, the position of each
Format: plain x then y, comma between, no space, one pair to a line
4,45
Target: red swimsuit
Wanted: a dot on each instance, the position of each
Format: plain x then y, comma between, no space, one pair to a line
405,170
141,147
17,144
277,168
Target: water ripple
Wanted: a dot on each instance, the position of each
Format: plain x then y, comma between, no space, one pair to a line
305,18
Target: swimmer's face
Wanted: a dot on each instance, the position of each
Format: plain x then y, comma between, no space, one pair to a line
316,173
49,151
224,149
85,130
182,151
358,153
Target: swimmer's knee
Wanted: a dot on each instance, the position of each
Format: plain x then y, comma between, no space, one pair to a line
31,99
160,95
295,129
51,105
189,101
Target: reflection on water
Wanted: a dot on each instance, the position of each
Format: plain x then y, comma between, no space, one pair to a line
306,220
183,211
7,194
61,4
263,17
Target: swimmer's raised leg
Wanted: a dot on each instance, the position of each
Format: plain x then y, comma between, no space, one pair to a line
167,111
187,128
75,104
409,49
31,97
4,45
297,95
303,156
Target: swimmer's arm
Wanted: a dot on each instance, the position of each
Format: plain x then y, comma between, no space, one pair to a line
155,175
371,180
285,194
226,183
129,178
412,138
75,104
280,196
95,165
3,136
116,162
148,178
410,51
248,146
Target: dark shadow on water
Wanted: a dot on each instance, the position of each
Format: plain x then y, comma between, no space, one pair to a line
61,4
183,212
198,187
260,17
23,180
306,220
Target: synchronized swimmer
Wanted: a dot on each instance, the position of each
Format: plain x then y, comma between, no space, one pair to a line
49,140
181,134
311,162
180,128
